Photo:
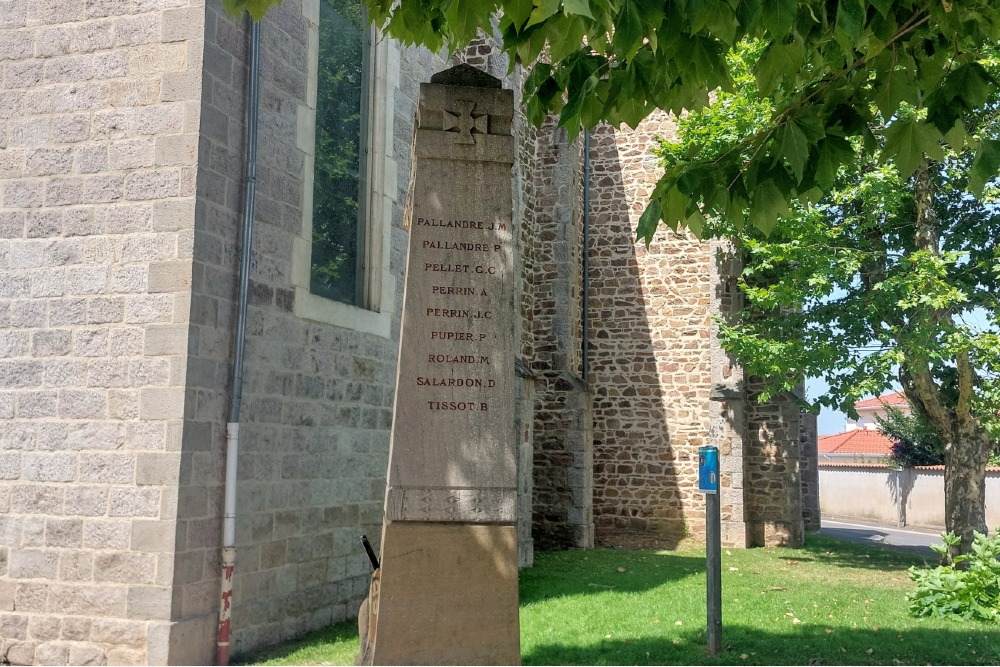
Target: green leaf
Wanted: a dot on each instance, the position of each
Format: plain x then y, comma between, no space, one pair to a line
518,11
963,90
462,19
832,153
696,223
794,148
777,16
907,141
984,166
628,29
897,84
565,38
533,41
578,7
884,7
543,10
649,221
768,205
958,137
850,18
778,62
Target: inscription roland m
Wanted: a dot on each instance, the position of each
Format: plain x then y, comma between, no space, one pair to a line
457,359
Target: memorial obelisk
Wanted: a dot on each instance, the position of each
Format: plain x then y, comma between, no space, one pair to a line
446,591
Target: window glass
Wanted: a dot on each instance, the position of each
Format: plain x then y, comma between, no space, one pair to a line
339,187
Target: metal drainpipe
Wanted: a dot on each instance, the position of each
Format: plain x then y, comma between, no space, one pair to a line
239,344
585,318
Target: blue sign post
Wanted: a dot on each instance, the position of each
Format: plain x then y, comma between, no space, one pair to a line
708,483
708,469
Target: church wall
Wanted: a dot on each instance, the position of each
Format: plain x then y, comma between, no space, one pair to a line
99,121
650,344
774,509
563,439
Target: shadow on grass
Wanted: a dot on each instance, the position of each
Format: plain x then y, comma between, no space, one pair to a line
971,644
841,553
567,573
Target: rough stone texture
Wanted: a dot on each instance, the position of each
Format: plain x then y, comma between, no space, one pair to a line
650,345
809,467
774,484
563,453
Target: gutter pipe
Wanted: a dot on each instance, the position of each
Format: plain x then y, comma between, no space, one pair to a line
239,345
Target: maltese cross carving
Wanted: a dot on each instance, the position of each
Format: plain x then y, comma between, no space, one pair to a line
464,120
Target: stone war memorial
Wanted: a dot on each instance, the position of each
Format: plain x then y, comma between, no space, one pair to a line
446,591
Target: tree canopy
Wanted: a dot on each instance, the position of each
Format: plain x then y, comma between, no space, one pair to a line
891,277
827,67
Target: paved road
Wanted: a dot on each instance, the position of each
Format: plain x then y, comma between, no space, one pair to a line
904,539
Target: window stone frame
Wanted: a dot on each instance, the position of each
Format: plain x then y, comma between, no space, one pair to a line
374,314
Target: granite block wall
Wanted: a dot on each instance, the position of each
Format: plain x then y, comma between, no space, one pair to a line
99,123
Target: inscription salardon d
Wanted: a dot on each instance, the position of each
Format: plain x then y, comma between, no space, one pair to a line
459,308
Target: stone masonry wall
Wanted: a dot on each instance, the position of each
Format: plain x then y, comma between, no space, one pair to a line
563,456
809,468
98,139
650,345
774,484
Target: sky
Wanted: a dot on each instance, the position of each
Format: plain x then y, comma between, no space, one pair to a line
829,421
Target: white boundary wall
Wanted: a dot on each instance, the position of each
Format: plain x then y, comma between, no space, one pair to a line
905,497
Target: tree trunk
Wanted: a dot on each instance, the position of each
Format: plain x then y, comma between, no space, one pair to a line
965,486
966,443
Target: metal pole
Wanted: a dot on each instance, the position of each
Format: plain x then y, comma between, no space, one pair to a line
713,572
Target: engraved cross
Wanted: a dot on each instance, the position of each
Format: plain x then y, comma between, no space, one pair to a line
465,121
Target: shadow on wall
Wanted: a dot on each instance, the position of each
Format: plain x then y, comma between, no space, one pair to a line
637,494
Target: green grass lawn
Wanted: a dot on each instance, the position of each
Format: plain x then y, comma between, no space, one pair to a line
831,603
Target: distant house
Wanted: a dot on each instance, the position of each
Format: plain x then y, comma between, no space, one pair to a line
861,442
859,445
870,408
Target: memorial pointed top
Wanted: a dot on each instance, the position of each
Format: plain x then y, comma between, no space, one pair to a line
466,75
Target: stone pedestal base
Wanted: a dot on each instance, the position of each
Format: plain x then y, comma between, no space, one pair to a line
448,595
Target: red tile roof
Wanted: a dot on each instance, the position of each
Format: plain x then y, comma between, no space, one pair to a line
894,399
858,441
